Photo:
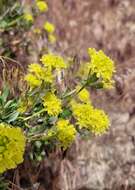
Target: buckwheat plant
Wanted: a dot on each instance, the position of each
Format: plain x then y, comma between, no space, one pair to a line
45,116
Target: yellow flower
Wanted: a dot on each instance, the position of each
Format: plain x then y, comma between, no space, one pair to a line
42,73
32,80
83,95
52,104
35,68
24,104
46,75
52,38
94,120
83,70
42,6
102,66
37,31
28,17
49,27
38,74
53,61
12,146
65,133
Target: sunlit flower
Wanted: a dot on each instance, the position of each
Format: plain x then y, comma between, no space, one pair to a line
38,74
52,38
65,133
42,6
37,31
54,61
12,146
94,120
83,95
28,17
52,104
49,27
32,80
102,66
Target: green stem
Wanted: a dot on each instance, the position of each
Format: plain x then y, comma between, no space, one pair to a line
75,91
69,94
14,22
36,137
35,114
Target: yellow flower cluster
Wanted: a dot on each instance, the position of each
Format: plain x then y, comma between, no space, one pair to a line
52,38
24,104
53,61
38,74
37,31
83,70
87,117
41,5
52,104
83,95
28,17
12,146
49,27
102,66
65,133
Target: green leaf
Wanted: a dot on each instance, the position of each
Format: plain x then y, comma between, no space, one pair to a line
66,113
98,85
10,104
5,93
3,24
12,117
92,79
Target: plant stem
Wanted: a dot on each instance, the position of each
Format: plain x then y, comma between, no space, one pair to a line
36,137
35,114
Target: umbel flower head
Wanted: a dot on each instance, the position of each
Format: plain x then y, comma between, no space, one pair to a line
65,133
53,61
87,117
28,17
49,27
12,146
41,5
83,95
102,66
38,74
52,104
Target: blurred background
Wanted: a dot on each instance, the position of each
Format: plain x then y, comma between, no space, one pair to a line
103,162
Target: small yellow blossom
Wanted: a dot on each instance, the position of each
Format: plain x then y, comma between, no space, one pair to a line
65,133
52,38
83,95
37,31
12,146
52,104
42,6
32,80
95,120
83,70
24,104
38,74
22,107
102,66
46,75
35,68
54,61
28,17
49,27
42,73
